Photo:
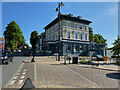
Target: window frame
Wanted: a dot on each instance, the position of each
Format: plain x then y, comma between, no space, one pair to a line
67,33
75,33
80,25
86,27
76,24
80,35
67,24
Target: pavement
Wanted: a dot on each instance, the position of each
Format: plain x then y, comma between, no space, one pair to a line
46,72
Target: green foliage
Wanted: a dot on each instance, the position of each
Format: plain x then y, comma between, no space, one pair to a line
99,39
85,62
116,47
34,38
90,34
13,36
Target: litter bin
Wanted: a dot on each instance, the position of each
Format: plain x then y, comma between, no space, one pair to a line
99,58
75,60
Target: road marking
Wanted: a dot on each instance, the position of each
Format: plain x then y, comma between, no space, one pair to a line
35,72
25,70
12,83
22,77
20,82
15,77
8,83
24,73
81,76
17,74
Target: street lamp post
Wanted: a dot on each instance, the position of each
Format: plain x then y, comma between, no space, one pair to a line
58,9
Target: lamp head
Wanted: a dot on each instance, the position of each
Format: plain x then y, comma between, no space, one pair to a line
61,4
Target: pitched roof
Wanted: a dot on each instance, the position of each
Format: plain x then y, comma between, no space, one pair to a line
69,17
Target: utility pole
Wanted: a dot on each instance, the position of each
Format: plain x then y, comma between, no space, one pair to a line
58,10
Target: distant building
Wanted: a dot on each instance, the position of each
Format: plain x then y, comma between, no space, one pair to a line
41,43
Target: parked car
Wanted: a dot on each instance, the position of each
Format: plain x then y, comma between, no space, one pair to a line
6,56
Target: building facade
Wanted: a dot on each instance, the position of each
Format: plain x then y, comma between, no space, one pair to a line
72,33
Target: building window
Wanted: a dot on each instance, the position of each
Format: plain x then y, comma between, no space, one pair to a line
85,27
56,26
48,38
86,36
68,24
68,34
51,37
40,41
75,25
68,49
76,48
56,36
40,47
81,35
52,29
76,35
81,26
48,31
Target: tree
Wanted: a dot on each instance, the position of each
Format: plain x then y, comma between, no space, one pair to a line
116,47
99,39
90,34
13,36
33,41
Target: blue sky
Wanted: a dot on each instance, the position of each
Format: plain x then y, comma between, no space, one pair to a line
32,16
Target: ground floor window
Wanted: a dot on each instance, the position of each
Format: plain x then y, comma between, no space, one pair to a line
68,48
76,48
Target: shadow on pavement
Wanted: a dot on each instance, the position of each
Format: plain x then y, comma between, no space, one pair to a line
98,68
113,75
58,64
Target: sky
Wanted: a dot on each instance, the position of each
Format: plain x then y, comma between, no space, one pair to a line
32,16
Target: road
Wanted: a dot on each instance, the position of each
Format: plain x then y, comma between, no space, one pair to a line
9,70
49,73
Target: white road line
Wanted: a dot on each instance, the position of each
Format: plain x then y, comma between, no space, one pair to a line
22,77
20,82
24,73
25,70
35,72
17,73
81,76
15,77
12,83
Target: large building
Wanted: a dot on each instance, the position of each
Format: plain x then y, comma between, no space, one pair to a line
74,36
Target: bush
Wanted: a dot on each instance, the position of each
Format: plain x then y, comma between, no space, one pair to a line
85,62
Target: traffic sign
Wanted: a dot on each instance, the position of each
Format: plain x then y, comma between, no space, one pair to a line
1,39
